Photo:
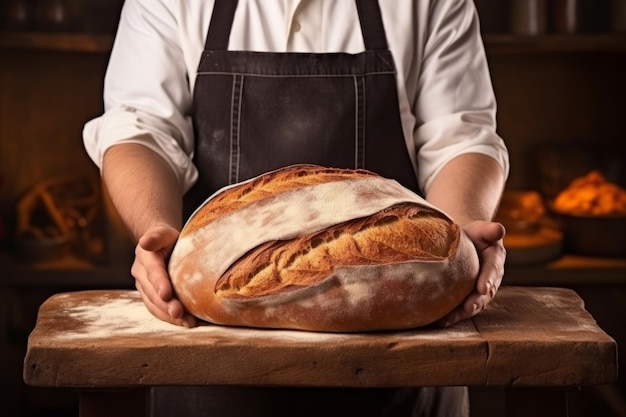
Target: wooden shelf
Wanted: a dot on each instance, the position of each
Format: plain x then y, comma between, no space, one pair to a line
569,271
495,43
552,43
67,272
63,42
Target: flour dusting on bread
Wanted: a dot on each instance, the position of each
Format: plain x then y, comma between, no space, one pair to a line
324,249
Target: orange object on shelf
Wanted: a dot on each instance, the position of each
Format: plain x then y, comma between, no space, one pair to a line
592,195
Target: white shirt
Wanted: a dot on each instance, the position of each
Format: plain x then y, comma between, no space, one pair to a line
446,98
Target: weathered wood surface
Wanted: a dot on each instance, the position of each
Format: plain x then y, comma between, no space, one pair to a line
526,337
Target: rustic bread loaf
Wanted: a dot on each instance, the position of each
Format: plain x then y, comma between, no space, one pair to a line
314,248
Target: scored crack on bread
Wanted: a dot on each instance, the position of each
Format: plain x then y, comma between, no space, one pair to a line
401,233
265,186
321,249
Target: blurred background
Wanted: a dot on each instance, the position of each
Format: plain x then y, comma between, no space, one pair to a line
559,73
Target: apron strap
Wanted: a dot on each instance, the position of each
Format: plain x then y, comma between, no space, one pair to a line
224,12
371,24
221,24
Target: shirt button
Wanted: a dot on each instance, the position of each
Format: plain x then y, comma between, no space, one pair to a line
295,26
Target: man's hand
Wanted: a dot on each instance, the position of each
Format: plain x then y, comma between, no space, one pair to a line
152,279
487,237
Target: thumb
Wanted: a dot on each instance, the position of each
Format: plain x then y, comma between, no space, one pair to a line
484,233
159,238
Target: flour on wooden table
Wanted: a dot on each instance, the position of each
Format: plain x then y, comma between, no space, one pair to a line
554,308
125,315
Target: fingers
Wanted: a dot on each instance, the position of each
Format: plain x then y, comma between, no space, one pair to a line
473,304
487,238
171,312
152,280
491,271
150,270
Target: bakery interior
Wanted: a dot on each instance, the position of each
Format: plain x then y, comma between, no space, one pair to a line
559,78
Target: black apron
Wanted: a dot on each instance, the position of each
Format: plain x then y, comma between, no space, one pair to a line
254,112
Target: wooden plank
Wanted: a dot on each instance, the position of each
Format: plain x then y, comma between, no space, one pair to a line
92,330
545,337
108,339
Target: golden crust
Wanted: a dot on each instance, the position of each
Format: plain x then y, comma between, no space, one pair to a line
402,233
403,266
280,181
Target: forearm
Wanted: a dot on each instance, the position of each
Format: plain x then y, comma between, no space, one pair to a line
468,188
142,187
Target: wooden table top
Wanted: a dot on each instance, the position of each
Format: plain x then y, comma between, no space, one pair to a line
526,337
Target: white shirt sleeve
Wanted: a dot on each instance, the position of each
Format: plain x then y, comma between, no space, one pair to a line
454,104
144,102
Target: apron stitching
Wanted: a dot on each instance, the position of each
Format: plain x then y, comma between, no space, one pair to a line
382,57
235,126
356,121
359,131
202,59
363,104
